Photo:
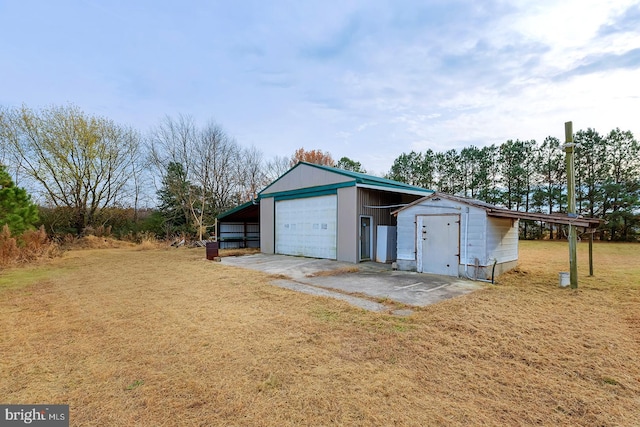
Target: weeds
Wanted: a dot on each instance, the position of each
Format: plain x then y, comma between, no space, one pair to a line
135,384
32,245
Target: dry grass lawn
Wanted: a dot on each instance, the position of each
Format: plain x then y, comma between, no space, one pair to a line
162,337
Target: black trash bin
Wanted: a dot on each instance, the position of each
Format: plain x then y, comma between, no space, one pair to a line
212,250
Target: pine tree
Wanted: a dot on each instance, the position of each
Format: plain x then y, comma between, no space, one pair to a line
16,208
174,200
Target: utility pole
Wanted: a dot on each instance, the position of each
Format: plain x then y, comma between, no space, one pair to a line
569,148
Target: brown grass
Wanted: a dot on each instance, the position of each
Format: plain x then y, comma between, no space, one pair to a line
98,242
335,272
164,337
238,252
32,246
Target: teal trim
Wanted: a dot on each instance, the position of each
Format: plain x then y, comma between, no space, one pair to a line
322,190
359,178
362,178
234,210
304,195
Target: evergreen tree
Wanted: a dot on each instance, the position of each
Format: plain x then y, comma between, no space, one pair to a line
414,169
548,196
621,187
16,208
174,198
350,165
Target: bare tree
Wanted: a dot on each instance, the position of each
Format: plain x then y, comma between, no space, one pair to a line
214,172
210,159
172,144
173,141
251,173
276,167
75,160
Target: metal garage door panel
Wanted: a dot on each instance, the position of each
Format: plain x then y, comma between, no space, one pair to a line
307,227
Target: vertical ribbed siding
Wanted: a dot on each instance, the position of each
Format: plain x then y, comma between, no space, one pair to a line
368,197
381,216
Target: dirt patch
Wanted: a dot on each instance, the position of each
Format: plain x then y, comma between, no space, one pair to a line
238,252
335,272
164,337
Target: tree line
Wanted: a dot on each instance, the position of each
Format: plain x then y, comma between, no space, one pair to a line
531,177
89,173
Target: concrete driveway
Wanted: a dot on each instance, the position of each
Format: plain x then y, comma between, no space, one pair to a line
364,284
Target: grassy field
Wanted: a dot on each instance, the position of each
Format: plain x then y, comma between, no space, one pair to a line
162,337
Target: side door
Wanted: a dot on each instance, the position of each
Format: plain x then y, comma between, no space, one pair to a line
438,244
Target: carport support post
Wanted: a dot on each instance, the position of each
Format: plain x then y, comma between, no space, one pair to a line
591,252
569,147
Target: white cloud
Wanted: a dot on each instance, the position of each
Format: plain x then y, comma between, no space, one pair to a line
367,80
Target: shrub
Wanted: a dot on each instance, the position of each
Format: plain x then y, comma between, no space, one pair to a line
9,251
30,246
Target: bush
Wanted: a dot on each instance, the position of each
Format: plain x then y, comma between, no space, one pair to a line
32,245
9,252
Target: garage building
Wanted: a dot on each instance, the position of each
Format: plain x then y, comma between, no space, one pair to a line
324,212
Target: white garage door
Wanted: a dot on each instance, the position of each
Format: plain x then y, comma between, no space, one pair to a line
307,227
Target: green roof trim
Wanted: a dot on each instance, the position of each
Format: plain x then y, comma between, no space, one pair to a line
234,210
358,178
322,190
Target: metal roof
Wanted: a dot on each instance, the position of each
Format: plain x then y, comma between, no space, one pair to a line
362,180
501,212
249,211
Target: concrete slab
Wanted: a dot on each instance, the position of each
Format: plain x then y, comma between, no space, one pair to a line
371,280
314,290
290,266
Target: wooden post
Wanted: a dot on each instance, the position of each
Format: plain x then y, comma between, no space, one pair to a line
571,209
591,252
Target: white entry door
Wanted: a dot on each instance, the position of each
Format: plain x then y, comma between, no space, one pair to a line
438,243
307,227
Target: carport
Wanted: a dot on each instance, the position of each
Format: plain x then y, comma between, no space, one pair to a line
239,227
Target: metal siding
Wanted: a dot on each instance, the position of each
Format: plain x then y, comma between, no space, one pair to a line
347,225
267,226
239,235
381,216
232,229
305,176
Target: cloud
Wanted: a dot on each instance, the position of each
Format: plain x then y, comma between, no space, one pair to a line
276,79
605,62
366,79
625,22
335,44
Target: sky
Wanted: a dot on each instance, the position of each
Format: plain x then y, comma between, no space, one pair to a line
368,80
